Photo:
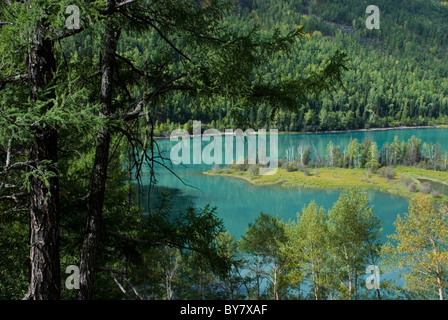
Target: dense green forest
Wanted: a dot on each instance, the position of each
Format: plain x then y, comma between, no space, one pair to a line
396,75
80,109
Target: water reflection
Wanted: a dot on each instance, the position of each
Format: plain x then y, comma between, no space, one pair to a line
239,203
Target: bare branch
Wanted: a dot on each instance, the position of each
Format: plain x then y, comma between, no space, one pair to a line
123,3
13,78
168,41
18,166
4,23
15,197
114,272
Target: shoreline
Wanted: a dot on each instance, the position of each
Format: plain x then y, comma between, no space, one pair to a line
338,179
314,132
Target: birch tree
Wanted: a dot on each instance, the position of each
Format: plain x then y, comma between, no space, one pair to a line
418,249
354,239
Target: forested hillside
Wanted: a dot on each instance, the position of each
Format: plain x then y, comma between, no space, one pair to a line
396,75
80,109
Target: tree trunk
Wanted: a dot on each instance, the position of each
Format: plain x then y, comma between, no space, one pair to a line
45,279
99,171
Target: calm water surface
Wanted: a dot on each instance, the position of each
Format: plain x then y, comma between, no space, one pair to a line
238,202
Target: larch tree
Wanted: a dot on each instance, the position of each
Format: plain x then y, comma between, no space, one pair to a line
32,119
201,56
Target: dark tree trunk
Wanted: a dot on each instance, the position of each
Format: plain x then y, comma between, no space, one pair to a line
45,279
99,171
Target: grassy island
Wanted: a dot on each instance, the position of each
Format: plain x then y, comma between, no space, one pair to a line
400,180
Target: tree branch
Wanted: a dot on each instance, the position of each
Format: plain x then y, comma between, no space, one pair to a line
123,3
161,241
13,78
162,35
15,197
5,23
114,272
136,240
129,63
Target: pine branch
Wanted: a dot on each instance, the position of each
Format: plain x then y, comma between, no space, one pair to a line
129,63
161,241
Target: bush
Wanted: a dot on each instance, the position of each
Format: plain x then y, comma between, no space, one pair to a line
306,171
425,187
253,170
412,187
435,194
387,172
289,166
240,167
406,181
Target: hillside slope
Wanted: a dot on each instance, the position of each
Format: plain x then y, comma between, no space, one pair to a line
397,75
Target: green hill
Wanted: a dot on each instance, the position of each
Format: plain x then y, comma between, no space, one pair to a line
396,76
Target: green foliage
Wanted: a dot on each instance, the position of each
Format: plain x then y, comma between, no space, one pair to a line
260,64
395,75
354,237
262,241
306,251
419,249
13,254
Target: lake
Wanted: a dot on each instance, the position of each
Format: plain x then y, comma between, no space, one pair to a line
239,203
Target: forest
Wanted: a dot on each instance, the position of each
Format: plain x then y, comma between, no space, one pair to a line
396,75
81,109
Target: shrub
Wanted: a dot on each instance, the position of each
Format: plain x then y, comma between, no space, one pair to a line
253,170
435,193
412,187
387,172
425,187
289,166
406,181
240,166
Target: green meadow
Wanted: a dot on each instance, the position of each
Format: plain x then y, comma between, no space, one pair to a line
405,182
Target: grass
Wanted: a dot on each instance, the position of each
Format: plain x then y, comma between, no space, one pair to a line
339,178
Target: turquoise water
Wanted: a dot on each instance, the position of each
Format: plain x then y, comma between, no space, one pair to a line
239,203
